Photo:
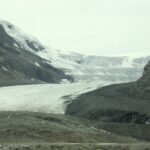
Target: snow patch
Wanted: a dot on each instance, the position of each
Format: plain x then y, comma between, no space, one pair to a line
4,68
37,64
15,45
35,46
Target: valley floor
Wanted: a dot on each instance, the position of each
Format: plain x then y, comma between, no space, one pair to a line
42,131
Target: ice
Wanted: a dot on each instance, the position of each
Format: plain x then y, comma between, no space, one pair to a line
47,98
4,68
37,64
15,45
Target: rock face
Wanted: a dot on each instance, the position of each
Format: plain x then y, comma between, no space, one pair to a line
19,63
128,102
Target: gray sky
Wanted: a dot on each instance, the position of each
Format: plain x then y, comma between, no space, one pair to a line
101,27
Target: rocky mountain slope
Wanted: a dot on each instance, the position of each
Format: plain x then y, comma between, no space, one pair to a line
126,103
19,63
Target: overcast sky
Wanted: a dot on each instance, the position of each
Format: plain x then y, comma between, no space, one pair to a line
89,26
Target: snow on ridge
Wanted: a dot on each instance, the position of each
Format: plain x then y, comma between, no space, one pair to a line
69,60
37,64
20,37
4,68
89,68
76,59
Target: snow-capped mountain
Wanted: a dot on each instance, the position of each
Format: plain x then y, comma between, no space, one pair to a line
19,63
12,36
82,67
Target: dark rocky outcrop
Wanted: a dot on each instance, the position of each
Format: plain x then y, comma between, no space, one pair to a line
128,102
5,39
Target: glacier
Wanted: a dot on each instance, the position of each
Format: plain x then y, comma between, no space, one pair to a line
48,98
89,72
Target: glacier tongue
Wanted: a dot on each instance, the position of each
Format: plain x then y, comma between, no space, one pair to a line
48,98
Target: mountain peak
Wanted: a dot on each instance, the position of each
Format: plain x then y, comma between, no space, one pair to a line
14,37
